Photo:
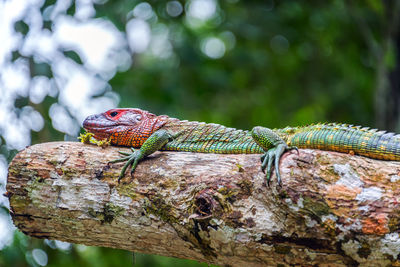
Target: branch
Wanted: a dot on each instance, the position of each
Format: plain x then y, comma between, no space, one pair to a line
333,208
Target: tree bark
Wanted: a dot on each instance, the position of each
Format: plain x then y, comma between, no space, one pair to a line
332,208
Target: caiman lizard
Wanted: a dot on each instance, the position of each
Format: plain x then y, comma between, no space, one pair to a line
149,133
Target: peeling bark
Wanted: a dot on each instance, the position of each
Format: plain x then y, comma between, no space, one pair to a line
332,209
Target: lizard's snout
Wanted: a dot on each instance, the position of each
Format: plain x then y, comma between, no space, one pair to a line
98,122
89,121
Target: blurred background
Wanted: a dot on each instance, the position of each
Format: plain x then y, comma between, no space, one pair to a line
234,62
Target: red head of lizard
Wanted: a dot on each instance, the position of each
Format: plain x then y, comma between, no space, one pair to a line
124,126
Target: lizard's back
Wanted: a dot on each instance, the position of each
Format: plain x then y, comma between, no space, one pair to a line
192,136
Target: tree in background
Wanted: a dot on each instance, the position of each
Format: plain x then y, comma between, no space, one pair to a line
386,57
238,63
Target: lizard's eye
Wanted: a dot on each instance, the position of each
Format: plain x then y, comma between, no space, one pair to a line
113,114
138,118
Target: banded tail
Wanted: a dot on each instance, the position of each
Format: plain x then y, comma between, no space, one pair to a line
345,138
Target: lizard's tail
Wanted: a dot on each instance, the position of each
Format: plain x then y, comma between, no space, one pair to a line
347,139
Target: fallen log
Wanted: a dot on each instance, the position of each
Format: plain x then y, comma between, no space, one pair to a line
332,208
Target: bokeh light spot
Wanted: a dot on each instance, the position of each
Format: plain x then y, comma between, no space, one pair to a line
39,256
213,47
139,35
229,39
62,245
143,11
202,9
174,8
279,44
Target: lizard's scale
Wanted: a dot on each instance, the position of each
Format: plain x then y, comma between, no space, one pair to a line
192,136
345,138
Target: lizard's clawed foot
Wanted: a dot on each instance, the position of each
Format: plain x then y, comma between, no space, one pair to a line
274,155
131,159
154,143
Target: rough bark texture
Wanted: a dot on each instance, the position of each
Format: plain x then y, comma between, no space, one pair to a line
333,209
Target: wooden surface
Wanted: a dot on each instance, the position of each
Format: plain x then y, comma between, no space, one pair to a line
333,209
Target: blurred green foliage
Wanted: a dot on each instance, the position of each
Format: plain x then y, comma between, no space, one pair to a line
325,74
286,63
19,254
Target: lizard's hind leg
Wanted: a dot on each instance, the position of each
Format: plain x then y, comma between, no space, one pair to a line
274,146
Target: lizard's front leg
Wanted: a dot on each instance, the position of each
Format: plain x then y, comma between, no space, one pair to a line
154,143
274,146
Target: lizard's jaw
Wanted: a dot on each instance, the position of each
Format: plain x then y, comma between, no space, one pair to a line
98,133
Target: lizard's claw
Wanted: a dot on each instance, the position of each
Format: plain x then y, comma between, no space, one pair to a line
295,148
131,159
127,153
262,158
264,161
274,155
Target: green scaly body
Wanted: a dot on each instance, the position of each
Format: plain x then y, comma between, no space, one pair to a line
214,138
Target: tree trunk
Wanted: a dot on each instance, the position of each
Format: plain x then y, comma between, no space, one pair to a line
332,209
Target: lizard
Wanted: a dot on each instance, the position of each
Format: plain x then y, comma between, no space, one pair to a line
148,133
